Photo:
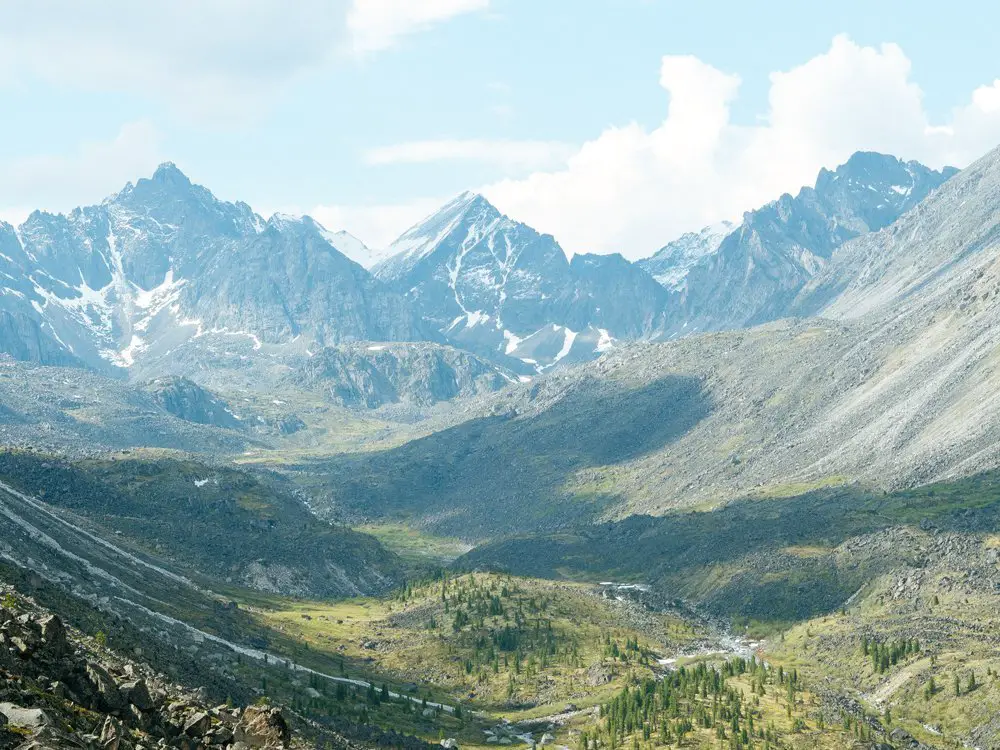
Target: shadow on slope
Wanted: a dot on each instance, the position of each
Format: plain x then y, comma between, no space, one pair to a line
509,473
768,560
221,523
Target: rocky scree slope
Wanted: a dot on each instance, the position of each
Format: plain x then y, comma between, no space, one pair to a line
421,374
79,412
900,396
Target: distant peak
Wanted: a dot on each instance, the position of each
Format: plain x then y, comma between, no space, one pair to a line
453,212
466,200
865,158
279,218
168,173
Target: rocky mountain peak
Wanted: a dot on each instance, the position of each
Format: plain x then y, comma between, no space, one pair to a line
499,288
670,264
167,173
939,256
165,266
464,218
757,270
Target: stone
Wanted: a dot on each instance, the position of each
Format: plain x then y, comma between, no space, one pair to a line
54,635
263,726
197,724
25,718
222,735
137,694
111,735
104,686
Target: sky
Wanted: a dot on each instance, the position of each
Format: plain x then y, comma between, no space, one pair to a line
614,125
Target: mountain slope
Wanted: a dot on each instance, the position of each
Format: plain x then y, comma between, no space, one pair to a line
940,257
213,523
670,264
759,268
499,288
417,374
899,396
164,264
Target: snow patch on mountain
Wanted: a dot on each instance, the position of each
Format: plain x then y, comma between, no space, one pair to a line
671,263
352,247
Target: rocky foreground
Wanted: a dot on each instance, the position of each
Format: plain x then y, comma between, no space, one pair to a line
59,689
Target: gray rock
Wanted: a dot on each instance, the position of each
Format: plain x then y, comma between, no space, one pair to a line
105,687
25,718
54,635
263,726
111,735
197,724
187,400
137,694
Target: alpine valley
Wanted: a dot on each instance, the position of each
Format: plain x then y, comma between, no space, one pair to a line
264,486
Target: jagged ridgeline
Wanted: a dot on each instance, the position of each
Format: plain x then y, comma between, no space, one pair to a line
164,278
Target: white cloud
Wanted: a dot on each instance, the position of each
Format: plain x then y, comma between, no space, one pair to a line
96,170
508,154
209,58
377,24
631,189
212,60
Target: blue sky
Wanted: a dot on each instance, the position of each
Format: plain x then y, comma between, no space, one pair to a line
368,113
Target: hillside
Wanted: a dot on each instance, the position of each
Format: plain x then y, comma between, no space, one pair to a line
897,397
497,287
757,270
209,521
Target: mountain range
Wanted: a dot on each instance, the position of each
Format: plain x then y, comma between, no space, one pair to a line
888,382
165,279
